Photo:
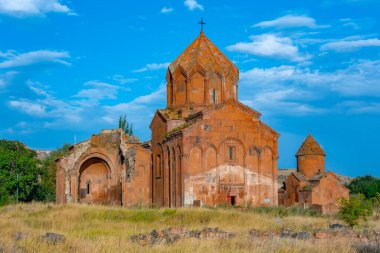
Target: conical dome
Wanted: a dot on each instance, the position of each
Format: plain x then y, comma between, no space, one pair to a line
200,77
203,52
310,147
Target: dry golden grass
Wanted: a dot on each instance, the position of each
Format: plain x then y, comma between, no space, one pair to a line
107,229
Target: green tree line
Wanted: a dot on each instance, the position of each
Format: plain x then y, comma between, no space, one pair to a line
25,178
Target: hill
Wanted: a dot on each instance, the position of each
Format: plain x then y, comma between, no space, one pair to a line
81,228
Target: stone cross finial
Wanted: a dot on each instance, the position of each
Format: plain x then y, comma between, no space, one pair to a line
202,24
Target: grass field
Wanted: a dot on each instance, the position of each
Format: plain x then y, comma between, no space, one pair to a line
108,229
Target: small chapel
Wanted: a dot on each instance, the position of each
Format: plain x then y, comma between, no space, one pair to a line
311,186
206,147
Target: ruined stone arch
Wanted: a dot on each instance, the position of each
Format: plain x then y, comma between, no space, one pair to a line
84,157
93,180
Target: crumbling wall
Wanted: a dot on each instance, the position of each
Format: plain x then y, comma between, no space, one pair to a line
66,168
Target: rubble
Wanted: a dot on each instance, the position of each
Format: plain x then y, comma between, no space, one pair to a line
171,235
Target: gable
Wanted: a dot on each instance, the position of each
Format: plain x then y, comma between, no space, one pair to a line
332,177
157,119
229,114
230,111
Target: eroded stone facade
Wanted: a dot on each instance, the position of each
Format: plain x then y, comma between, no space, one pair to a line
110,168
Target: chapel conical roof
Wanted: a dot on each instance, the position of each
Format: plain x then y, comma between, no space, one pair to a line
203,52
310,147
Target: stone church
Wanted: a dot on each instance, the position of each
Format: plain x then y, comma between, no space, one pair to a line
206,147
311,186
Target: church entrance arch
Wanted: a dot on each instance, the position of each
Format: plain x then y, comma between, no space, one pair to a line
93,181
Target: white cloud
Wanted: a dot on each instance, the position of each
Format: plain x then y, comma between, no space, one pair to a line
359,79
269,45
140,110
55,112
153,66
46,105
73,112
23,8
29,107
6,77
348,22
166,10
288,21
277,102
291,89
43,56
98,91
350,45
123,80
360,107
193,4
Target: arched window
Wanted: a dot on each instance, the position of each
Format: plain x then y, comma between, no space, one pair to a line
213,94
231,153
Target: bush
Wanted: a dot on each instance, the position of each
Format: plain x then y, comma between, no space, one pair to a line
368,186
376,202
355,209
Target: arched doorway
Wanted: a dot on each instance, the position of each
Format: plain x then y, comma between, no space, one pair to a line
93,182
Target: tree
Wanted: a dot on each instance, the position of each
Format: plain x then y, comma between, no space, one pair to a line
46,189
125,126
19,170
23,176
368,186
354,209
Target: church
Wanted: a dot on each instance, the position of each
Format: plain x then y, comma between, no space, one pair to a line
206,147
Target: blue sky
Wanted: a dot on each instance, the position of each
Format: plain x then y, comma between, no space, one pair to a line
70,68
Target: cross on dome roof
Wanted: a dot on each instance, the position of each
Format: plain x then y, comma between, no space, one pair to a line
201,23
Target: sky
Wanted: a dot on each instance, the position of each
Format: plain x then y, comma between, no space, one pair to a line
69,69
